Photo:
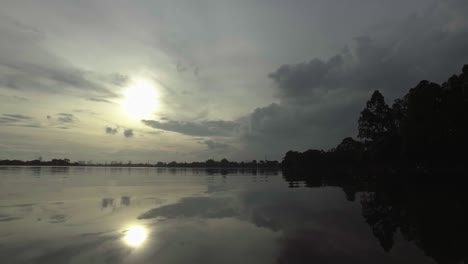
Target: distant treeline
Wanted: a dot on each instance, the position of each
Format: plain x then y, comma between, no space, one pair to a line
427,129
224,163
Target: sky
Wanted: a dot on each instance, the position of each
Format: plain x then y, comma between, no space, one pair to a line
119,80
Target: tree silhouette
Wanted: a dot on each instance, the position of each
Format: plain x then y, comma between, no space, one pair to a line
375,120
424,130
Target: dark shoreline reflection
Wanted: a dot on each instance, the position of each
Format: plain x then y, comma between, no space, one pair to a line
435,221
433,214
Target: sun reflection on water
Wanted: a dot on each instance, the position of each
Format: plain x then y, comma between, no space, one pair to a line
135,236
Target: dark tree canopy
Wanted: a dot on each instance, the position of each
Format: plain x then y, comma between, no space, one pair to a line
375,120
348,145
427,128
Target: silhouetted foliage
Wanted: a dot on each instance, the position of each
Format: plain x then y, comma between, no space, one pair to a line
426,129
349,150
375,121
435,125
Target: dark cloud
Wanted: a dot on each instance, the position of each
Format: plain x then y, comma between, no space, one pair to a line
66,118
111,131
392,66
18,120
154,132
215,146
8,218
201,128
320,100
86,111
7,120
305,80
57,218
18,116
128,133
277,128
100,100
62,120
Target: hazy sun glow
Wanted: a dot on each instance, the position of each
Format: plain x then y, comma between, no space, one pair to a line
140,99
135,236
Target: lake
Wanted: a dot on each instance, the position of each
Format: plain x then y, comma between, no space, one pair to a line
161,215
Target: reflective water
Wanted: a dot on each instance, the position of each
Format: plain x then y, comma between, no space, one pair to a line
147,215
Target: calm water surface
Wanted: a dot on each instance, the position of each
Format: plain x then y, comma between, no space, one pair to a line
148,215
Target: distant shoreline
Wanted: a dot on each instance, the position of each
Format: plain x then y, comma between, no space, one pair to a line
142,166
224,163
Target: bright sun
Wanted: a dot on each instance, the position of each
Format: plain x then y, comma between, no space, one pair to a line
140,99
135,236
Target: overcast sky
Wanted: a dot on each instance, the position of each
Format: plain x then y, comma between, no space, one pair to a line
237,79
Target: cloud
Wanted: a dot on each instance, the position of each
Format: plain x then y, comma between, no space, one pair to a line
319,101
62,120
154,132
214,146
100,100
85,111
111,131
201,128
8,218
7,120
28,65
66,118
128,133
18,121
311,98
304,80
16,116
277,128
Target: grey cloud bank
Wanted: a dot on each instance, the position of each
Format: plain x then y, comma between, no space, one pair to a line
201,128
